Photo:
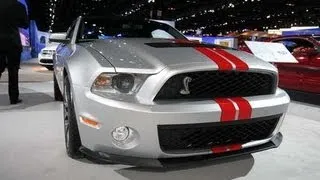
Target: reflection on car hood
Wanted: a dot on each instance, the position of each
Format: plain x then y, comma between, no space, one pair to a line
153,55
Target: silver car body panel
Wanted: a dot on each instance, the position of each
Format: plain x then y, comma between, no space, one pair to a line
144,119
132,55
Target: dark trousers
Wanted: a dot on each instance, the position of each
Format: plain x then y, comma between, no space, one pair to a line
11,60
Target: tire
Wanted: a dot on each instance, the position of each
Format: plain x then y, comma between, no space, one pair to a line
57,93
71,131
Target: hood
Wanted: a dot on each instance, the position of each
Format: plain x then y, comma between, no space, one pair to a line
150,56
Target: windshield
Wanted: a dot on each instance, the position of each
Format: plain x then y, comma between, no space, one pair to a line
106,29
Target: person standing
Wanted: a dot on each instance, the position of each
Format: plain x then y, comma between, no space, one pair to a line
13,16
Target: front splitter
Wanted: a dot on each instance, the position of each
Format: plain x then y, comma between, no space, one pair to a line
178,162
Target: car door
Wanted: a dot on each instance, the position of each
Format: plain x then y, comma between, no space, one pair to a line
65,50
311,78
290,75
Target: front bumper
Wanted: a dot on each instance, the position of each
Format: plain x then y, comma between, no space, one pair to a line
144,119
178,162
45,60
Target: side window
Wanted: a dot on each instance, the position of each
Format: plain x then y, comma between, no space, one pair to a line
94,32
159,33
297,45
290,45
303,46
80,34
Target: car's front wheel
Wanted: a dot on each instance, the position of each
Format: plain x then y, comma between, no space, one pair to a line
57,93
71,131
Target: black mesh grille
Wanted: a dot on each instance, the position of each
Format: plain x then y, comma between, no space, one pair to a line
213,84
47,61
205,136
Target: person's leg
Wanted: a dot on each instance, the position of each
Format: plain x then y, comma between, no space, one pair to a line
13,70
3,63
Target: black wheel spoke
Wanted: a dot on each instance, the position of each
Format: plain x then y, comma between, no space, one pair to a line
66,117
67,137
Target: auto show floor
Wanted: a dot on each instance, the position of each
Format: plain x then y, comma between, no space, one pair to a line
32,145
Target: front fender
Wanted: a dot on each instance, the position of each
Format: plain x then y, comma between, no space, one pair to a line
83,66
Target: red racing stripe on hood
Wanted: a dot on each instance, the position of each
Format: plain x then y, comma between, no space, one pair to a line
240,64
245,109
228,111
222,63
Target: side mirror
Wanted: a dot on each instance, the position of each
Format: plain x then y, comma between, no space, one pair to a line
59,38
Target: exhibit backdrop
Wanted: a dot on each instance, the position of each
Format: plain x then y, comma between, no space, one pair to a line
32,39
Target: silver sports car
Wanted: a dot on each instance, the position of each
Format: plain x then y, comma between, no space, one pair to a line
138,92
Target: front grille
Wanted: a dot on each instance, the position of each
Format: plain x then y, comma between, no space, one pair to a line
218,84
193,137
48,52
46,61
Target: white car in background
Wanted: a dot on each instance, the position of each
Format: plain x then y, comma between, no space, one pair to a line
46,55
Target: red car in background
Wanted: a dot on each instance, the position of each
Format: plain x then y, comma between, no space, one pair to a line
305,75
316,38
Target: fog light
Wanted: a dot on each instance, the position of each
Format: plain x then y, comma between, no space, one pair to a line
120,133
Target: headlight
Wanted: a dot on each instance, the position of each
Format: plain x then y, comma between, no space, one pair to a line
117,85
123,82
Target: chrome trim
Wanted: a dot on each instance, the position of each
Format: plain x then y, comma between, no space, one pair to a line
256,143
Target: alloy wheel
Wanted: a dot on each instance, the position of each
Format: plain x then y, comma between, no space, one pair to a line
66,114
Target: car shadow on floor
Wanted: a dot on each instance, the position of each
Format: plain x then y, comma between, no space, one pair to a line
29,100
222,169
